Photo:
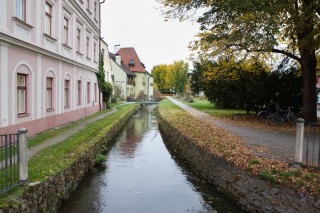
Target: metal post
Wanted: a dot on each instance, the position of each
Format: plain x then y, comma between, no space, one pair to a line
23,154
299,140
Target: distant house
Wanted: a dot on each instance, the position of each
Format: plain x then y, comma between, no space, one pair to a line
123,78
49,53
143,80
106,59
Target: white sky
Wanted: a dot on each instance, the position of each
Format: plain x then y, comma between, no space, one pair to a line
139,24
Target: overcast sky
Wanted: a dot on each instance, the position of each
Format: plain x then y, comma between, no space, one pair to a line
139,24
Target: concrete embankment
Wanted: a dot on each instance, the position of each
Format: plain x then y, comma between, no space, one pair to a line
47,196
249,191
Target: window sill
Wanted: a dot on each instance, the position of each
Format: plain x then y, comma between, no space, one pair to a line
66,46
79,104
88,58
50,110
67,107
23,115
88,10
79,53
96,20
50,38
22,23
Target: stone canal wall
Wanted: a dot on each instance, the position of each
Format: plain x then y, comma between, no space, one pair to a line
249,192
47,196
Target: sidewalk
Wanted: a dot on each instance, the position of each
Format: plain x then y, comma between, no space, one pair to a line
65,135
279,145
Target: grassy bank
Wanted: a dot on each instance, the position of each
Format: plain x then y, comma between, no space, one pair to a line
39,138
209,108
232,149
53,160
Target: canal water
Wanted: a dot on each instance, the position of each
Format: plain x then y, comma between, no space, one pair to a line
141,175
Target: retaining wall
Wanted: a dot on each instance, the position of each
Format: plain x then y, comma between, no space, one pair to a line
48,196
250,192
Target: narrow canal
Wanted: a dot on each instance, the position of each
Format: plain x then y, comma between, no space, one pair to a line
141,175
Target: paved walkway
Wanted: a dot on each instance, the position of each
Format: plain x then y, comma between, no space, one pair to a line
65,135
280,145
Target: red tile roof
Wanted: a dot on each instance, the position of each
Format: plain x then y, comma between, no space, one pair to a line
129,54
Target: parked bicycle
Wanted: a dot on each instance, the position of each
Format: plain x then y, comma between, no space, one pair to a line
283,116
263,115
278,116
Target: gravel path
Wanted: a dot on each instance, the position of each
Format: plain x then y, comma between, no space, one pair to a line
279,145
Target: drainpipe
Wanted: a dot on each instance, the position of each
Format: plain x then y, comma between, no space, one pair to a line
100,108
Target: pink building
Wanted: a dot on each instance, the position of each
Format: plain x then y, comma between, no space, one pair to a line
49,53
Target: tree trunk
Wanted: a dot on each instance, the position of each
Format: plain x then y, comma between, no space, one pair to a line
309,102
306,43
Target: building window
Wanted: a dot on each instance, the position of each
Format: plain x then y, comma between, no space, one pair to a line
94,52
88,92
66,93
95,10
131,63
95,92
79,92
49,93
48,19
88,46
21,9
65,30
78,39
88,5
21,94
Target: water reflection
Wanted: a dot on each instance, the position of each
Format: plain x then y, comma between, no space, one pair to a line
142,176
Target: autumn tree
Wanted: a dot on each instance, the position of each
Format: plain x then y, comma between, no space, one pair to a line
287,27
179,77
169,76
161,77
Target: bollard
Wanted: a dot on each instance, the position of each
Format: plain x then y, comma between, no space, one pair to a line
299,140
23,154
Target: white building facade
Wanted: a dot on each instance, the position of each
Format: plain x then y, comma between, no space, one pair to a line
49,53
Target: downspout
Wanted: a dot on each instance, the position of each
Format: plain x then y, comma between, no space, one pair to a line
100,46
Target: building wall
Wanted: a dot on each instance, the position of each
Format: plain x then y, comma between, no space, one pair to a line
107,62
26,48
140,83
120,78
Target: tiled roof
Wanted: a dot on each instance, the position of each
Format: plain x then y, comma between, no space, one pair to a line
123,66
129,54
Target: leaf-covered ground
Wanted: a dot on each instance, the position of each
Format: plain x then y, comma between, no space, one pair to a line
232,148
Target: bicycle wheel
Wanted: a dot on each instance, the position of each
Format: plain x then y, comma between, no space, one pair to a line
291,118
272,119
262,116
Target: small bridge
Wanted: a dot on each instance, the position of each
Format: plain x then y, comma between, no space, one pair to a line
148,102
143,103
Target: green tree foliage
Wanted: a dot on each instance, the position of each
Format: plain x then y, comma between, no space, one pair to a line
196,80
171,76
104,87
249,85
288,27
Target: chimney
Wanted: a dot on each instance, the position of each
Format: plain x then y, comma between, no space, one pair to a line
118,59
116,48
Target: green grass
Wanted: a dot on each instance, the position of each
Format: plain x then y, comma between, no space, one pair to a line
41,137
206,107
59,156
55,159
